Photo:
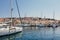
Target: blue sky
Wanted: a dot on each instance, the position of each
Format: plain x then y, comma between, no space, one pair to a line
33,8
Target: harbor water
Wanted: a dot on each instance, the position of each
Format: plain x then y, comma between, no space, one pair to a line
35,33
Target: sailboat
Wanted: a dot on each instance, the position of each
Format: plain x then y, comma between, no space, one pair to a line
8,30
54,24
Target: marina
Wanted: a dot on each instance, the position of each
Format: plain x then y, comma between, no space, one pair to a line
29,20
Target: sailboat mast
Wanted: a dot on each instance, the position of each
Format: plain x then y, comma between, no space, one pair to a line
53,14
41,15
11,10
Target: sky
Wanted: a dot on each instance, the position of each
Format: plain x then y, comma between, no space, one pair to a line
31,8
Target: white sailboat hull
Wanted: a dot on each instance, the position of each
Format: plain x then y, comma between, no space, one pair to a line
5,31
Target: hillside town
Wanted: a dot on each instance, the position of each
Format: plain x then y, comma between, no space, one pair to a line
30,20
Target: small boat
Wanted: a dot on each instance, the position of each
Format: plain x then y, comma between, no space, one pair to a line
33,25
3,24
23,25
52,25
19,25
26,25
40,25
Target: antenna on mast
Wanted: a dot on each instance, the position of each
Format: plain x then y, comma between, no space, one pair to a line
53,14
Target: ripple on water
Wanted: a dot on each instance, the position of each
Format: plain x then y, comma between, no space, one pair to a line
41,34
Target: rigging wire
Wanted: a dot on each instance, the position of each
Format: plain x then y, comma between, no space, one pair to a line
18,10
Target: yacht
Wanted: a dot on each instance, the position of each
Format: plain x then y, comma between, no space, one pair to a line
8,30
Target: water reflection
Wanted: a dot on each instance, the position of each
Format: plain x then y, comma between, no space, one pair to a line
37,33
11,37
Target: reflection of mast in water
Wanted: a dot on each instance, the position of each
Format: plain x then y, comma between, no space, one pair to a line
53,34
41,35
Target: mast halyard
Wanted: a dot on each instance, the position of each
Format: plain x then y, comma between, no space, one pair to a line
18,11
10,17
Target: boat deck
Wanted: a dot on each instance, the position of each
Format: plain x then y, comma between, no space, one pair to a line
6,31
